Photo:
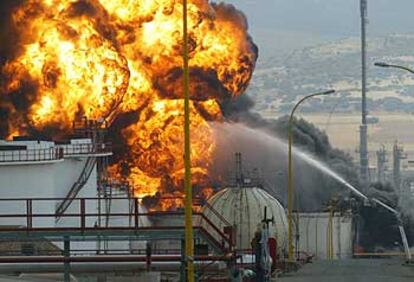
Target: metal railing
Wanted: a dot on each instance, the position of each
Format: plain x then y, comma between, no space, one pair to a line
85,149
30,155
54,153
26,216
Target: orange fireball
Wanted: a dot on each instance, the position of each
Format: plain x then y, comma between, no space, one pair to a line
121,60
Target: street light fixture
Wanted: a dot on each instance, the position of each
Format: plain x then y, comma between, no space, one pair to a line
290,170
385,65
401,227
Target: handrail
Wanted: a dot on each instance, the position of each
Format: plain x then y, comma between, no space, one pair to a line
56,152
86,198
216,213
30,155
84,149
215,228
26,219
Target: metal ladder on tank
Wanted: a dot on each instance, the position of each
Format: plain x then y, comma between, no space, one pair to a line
76,187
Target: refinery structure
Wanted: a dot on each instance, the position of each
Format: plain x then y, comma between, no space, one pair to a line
110,164
76,220
91,158
62,214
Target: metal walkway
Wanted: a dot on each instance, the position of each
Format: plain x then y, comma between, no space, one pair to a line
34,223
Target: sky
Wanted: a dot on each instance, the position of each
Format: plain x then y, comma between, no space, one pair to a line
278,26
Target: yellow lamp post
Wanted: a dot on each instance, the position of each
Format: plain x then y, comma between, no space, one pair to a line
290,171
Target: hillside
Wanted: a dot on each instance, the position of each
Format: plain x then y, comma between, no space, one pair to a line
279,82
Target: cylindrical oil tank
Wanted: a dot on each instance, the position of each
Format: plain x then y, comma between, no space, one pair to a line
244,208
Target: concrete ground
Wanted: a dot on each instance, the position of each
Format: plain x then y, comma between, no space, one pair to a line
353,270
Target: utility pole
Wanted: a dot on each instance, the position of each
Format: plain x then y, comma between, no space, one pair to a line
363,147
381,161
239,170
396,173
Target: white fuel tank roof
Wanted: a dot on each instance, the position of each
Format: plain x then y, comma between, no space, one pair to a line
243,208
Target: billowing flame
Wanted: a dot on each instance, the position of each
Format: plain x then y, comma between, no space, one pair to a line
121,60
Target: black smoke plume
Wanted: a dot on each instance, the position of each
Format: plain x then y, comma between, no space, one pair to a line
314,188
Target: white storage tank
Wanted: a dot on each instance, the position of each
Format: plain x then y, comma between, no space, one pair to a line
31,169
243,208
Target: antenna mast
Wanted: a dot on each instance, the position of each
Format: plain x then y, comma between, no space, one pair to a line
363,148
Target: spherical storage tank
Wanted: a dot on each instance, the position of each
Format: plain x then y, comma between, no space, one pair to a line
243,208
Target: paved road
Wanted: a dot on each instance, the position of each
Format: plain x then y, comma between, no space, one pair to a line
356,270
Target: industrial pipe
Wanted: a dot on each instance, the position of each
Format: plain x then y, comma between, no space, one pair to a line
106,259
102,267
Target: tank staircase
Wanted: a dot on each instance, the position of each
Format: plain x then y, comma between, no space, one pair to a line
76,187
94,130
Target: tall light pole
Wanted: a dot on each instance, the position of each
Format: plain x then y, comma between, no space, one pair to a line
397,214
290,170
397,150
363,145
188,210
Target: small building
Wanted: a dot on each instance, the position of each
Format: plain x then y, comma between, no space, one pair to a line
325,235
